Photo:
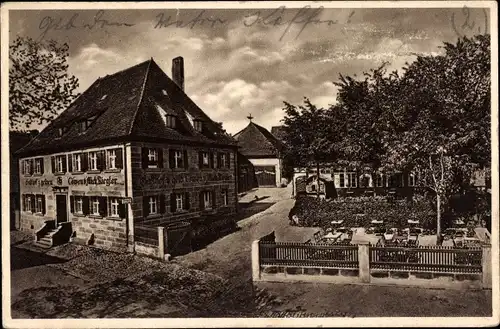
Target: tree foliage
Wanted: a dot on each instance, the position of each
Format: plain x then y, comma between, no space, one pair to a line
432,118
39,84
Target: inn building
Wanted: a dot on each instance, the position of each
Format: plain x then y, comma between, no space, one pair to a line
133,151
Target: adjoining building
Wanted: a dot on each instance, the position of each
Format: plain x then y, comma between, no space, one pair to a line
264,151
132,151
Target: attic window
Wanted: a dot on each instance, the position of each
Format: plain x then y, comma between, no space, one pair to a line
61,131
164,92
104,97
85,124
168,119
198,125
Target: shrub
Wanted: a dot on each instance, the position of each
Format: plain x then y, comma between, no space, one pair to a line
317,212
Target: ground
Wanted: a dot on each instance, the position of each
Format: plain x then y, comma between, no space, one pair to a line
77,281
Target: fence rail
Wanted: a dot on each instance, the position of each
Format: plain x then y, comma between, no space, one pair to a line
302,254
444,260
146,234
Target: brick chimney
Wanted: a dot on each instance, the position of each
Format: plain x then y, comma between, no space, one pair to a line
178,71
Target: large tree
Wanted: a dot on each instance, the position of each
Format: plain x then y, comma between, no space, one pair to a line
309,136
441,124
39,84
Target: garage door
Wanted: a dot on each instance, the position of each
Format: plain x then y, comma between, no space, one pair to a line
266,175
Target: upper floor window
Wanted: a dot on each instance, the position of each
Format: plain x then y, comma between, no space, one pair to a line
223,161
395,180
27,167
59,164
225,199
93,161
205,160
152,157
114,159
76,162
38,170
178,159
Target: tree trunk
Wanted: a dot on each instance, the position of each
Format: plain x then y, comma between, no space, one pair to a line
317,177
438,210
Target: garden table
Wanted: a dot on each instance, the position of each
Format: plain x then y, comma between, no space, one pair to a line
340,221
375,221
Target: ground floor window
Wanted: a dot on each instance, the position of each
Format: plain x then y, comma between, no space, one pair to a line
34,203
97,206
206,200
113,205
153,205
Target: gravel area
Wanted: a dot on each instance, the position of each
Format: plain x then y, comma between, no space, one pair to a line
18,237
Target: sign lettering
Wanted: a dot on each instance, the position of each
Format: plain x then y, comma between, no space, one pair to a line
97,180
166,179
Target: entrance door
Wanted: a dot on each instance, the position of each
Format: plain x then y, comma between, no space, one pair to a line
61,209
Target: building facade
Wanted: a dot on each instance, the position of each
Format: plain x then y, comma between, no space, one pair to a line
263,150
341,182
132,151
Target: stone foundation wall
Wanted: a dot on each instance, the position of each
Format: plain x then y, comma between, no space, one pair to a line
107,233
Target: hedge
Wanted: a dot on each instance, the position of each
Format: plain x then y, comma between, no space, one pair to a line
319,212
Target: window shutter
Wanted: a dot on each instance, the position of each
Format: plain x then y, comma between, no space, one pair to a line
85,161
53,164
145,206
211,160
71,157
32,166
185,158
119,158
171,162
21,163
228,160
162,203
173,204
41,165
33,202
72,204
86,205
100,160
64,164
43,204
23,202
200,159
144,157
201,201
186,201
103,207
213,199
122,210
160,157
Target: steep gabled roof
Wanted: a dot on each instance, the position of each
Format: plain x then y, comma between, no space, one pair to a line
257,141
124,107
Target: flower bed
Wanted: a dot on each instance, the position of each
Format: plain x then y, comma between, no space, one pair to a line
359,212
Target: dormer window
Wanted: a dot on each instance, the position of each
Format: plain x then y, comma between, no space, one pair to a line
198,125
170,121
104,97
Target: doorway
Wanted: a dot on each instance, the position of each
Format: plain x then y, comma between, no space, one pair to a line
61,208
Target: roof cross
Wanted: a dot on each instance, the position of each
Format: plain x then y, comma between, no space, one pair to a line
250,117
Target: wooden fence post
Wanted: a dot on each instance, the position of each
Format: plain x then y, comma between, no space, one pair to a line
486,262
255,261
364,262
161,242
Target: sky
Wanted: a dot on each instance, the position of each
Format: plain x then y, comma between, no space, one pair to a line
243,61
